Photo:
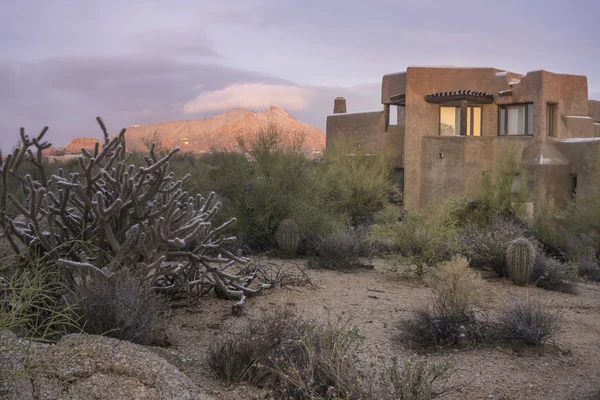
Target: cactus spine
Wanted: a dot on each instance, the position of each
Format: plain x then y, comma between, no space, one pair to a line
288,237
519,260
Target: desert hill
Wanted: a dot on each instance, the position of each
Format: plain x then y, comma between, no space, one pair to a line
220,132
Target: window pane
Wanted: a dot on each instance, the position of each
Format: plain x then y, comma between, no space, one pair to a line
469,120
529,119
516,120
502,119
449,123
476,121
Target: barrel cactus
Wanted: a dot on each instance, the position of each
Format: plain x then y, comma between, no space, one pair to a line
519,260
288,237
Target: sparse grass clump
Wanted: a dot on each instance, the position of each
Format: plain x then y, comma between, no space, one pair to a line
122,306
31,310
528,322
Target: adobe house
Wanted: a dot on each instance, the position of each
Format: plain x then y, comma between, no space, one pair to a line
446,125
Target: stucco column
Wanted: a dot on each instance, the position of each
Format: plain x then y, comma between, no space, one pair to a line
463,118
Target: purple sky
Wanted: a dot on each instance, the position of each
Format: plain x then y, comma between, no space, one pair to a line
63,62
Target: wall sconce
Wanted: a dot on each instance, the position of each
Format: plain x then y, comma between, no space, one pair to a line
441,155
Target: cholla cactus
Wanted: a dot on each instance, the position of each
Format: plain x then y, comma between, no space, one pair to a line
288,237
112,215
519,260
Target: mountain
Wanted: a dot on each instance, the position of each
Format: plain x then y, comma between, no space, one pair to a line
220,132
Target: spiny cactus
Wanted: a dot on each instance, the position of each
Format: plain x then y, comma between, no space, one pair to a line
113,215
519,260
288,237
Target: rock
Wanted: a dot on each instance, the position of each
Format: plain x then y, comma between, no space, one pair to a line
92,367
12,366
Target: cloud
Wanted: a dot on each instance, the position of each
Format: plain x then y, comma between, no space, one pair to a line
252,96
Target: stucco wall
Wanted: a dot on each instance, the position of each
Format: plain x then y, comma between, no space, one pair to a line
594,110
453,165
368,131
392,84
422,118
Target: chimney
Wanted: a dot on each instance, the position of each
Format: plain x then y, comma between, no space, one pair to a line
339,106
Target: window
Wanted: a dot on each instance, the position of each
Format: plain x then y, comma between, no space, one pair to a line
550,125
573,185
516,120
393,115
450,121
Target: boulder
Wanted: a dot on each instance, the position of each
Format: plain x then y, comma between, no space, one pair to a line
92,367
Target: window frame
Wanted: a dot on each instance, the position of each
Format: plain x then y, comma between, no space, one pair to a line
505,108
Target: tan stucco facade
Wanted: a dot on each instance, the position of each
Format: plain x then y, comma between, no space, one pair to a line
556,121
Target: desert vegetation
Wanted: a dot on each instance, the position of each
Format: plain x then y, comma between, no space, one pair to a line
116,243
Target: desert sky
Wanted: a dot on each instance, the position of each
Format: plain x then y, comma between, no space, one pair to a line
63,62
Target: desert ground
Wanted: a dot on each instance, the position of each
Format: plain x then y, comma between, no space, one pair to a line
377,300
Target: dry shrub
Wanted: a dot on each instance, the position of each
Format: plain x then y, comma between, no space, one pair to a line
451,320
433,328
456,286
236,358
589,269
340,249
295,358
322,365
528,322
122,306
550,274
230,360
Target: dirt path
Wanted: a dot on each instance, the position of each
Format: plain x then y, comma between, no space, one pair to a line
377,300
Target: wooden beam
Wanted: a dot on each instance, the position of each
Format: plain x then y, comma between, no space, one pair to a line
463,118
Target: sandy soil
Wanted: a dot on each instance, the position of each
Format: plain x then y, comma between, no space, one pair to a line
377,300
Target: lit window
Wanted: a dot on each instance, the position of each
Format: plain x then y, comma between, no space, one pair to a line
516,120
450,121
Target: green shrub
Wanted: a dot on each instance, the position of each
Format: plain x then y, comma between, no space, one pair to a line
355,184
422,239
506,190
582,217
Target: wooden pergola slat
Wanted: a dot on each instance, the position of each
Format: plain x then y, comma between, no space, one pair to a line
459,96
